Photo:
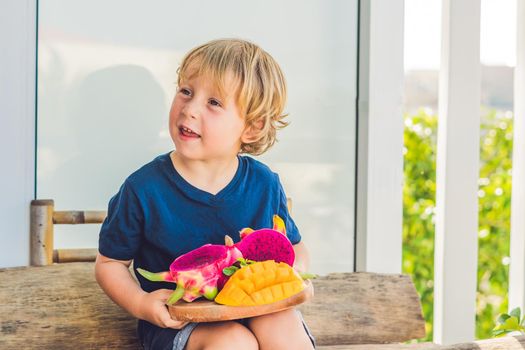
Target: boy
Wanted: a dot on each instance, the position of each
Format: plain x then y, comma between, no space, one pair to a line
230,100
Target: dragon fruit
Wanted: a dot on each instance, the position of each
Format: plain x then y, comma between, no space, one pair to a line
197,273
267,244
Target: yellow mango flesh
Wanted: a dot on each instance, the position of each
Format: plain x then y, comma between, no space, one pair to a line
263,282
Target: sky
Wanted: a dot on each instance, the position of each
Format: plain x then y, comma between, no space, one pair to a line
423,33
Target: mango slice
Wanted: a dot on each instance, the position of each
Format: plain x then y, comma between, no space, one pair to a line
263,282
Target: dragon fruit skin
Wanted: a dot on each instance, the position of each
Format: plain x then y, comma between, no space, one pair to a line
197,272
267,244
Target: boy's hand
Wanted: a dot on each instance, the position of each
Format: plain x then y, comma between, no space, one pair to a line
152,308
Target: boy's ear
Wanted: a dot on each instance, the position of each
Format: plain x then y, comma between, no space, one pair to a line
250,132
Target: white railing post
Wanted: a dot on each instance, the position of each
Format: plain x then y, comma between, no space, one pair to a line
455,267
380,137
517,227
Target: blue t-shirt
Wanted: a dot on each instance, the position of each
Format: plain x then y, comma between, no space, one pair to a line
157,215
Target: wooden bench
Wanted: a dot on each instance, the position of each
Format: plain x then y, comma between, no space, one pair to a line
60,306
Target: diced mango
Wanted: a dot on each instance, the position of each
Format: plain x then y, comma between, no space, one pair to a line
260,283
256,268
277,291
238,294
269,265
282,273
247,301
269,277
258,298
247,286
267,296
288,288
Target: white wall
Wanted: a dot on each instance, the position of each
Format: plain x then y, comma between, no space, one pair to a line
17,127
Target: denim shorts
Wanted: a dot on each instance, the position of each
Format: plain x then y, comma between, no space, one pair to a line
176,339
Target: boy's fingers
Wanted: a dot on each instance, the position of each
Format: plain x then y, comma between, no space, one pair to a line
163,294
171,323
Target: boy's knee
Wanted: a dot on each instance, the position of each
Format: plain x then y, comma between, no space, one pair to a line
224,335
276,319
236,333
280,330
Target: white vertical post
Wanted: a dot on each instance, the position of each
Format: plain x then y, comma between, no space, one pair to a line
517,222
17,127
455,267
380,137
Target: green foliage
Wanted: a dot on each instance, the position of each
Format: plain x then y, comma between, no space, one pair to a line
494,219
507,323
419,192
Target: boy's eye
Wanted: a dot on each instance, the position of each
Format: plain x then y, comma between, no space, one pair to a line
214,102
185,91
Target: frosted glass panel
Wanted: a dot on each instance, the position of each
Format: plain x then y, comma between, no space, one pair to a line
106,74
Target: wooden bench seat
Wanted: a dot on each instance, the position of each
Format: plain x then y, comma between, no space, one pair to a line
51,305
61,306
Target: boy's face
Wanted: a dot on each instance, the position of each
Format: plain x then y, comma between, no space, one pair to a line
203,125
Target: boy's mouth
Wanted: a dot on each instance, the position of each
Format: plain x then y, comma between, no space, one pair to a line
188,132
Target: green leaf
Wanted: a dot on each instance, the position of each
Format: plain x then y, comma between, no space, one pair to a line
502,318
499,333
510,324
230,270
516,312
245,262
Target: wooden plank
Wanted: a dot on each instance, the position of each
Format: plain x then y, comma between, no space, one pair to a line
74,255
364,308
47,306
517,219
505,343
457,174
75,217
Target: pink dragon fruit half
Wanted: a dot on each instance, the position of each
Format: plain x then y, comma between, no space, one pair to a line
267,244
197,273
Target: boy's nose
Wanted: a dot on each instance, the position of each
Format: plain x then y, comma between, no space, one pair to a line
191,109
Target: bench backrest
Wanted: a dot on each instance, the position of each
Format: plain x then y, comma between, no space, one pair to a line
43,217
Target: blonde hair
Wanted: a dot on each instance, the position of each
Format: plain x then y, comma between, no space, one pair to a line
261,87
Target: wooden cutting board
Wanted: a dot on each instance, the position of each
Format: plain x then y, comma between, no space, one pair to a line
209,311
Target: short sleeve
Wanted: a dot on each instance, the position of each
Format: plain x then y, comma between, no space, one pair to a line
122,231
291,229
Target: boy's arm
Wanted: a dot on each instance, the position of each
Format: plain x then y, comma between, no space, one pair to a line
302,257
117,282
